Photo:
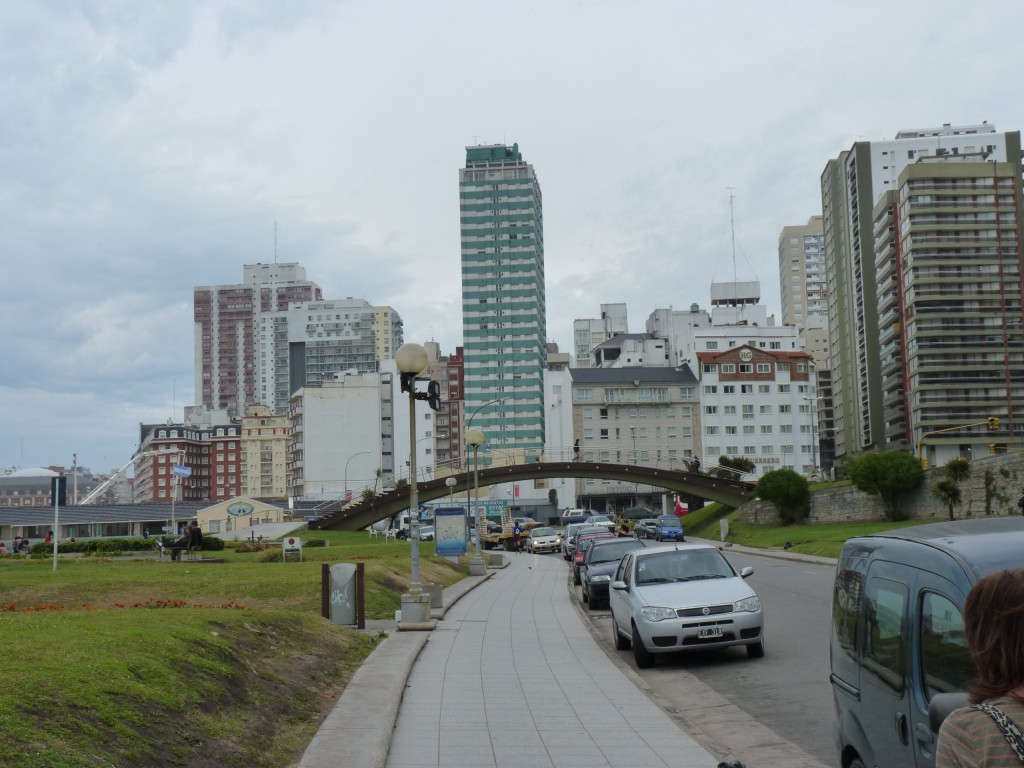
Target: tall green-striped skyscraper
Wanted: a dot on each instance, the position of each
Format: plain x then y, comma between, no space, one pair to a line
504,315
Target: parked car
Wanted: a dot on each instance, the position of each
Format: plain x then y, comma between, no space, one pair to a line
580,551
599,564
683,597
646,529
898,654
583,529
567,534
426,532
601,520
670,528
636,513
542,539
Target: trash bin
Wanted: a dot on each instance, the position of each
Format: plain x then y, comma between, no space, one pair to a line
343,593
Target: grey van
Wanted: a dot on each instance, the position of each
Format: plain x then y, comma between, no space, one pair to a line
897,633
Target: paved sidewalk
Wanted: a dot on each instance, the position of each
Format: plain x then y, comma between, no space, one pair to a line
513,677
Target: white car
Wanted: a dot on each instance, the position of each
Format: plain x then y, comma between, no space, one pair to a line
683,597
602,520
542,539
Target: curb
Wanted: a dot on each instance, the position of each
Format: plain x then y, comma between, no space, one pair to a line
358,730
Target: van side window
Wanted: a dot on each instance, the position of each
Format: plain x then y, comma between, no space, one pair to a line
885,610
945,661
846,601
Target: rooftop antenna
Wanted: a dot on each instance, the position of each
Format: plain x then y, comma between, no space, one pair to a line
732,230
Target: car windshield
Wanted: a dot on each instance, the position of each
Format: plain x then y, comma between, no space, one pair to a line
682,565
611,551
589,529
669,522
538,532
584,544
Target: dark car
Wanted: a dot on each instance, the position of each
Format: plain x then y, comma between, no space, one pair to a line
582,545
599,566
898,650
646,529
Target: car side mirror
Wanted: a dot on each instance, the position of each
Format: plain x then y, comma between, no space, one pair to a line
619,585
941,705
744,572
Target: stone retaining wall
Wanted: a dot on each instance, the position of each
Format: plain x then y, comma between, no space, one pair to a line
992,489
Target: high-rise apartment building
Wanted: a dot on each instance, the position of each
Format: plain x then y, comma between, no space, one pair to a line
504,316
851,185
802,285
226,329
949,264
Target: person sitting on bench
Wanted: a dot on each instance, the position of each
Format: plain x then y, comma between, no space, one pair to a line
182,543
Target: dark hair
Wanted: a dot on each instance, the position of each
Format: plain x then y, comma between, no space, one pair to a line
994,626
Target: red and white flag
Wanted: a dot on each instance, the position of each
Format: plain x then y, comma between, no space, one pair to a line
681,509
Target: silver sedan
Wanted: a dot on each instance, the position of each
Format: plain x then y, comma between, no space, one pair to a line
683,597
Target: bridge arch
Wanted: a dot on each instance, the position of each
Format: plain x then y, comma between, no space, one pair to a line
362,513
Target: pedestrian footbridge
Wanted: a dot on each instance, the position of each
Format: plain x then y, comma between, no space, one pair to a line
363,512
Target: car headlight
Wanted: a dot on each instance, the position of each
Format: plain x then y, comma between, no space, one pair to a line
748,604
558,540
597,579
654,613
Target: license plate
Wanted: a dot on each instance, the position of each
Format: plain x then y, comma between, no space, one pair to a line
703,632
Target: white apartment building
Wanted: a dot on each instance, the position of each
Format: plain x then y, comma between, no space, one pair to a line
589,333
736,317
802,285
758,404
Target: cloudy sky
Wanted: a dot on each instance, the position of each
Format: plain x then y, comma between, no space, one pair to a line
148,147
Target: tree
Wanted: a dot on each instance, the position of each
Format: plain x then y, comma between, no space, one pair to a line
949,493
958,470
888,474
788,492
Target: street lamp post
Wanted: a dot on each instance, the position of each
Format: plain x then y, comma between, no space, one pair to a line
346,470
475,438
636,490
814,456
411,359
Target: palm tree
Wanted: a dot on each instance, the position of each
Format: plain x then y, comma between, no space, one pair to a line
949,493
958,470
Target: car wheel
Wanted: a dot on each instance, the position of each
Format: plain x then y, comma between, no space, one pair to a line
756,650
621,643
586,597
644,658
576,577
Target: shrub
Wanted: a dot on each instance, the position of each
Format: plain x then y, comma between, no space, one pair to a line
788,492
889,474
269,556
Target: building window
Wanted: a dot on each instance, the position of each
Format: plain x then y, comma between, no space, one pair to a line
709,368
728,367
764,367
748,411
710,389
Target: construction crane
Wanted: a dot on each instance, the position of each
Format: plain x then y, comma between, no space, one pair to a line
99,489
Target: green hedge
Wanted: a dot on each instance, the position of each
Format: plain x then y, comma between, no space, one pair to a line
109,547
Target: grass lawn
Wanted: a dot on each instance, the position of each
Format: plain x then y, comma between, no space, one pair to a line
824,539
138,662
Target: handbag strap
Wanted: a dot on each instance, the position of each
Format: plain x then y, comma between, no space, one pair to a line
1009,728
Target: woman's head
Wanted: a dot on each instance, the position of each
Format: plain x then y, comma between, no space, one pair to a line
994,625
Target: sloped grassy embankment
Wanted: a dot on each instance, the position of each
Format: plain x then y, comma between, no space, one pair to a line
138,662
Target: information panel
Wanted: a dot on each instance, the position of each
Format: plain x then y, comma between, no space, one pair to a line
450,531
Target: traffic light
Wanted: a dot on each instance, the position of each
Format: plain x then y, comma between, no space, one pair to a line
993,422
434,395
